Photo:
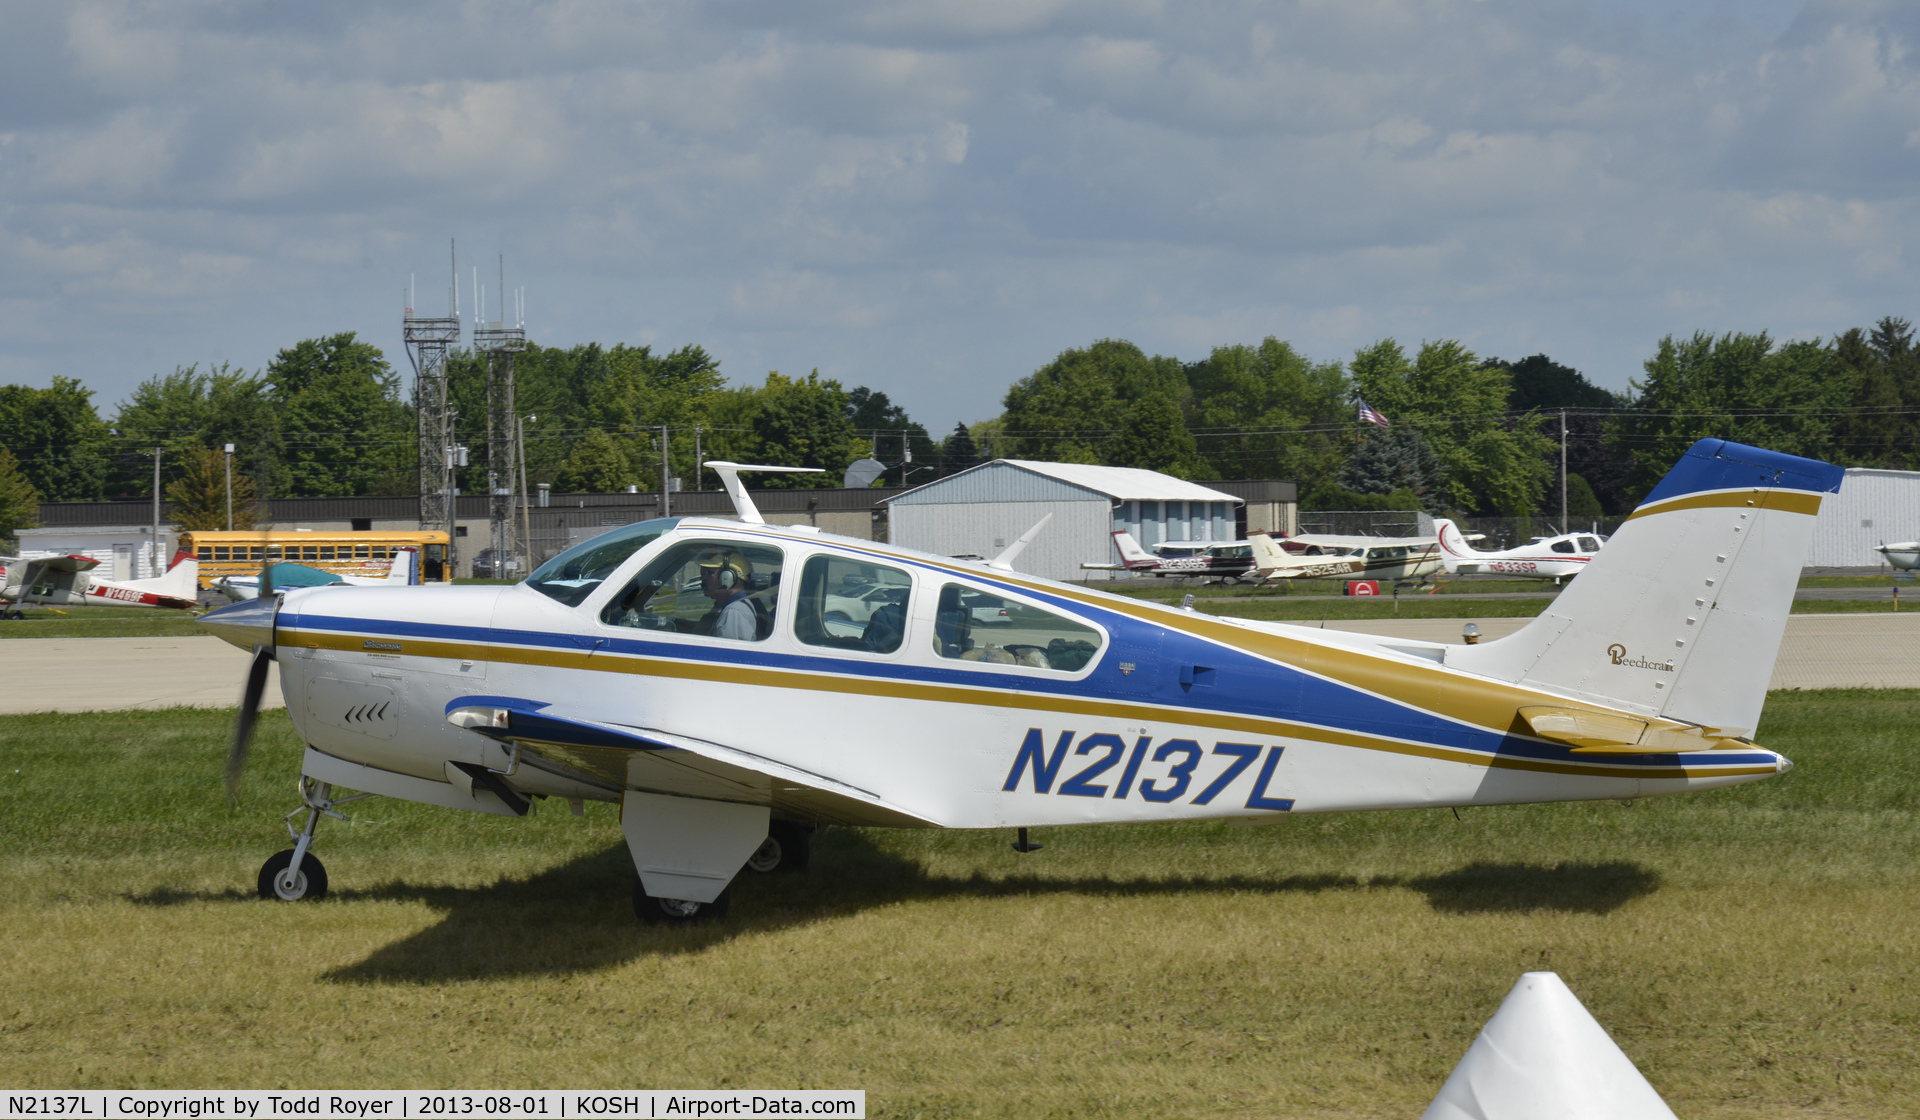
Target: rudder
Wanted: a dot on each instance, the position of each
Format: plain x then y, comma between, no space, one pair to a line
1682,613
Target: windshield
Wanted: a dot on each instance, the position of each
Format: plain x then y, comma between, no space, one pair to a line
571,576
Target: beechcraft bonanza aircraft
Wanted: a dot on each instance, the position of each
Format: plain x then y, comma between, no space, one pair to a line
1553,558
404,571
66,581
686,669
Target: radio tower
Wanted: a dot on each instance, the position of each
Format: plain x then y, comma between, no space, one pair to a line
427,344
497,343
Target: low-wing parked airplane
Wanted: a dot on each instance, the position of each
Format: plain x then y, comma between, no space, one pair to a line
684,668
404,572
67,581
1209,560
1319,556
1905,555
1553,558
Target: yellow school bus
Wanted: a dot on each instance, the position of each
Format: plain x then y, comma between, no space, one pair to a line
243,552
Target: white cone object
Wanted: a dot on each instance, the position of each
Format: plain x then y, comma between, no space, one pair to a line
1543,1057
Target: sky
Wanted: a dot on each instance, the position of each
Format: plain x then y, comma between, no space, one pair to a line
935,198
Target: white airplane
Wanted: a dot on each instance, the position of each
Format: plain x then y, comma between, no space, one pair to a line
66,581
684,669
404,572
1905,555
1321,556
1553,558
1222,560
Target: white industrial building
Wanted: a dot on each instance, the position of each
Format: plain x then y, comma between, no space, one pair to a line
1873,507
124,551
980,511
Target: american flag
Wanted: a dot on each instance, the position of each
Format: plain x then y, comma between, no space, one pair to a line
1372,416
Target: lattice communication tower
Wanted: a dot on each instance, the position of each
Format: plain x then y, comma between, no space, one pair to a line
497,343
428,341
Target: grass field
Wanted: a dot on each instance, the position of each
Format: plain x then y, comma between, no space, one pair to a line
1754,950
99,622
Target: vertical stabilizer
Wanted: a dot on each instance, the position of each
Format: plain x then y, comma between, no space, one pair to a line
402,571
1682,613
1453,546
1131,554
1542,1054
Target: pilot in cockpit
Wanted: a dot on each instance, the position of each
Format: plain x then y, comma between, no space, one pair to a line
726,577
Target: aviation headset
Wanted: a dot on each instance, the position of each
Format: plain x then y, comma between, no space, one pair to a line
734,568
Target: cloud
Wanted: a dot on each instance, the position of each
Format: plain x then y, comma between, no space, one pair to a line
935,197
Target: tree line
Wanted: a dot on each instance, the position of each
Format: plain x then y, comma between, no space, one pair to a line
1467,433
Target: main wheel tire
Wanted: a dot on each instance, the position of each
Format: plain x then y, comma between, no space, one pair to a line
788,847
676,911
309,882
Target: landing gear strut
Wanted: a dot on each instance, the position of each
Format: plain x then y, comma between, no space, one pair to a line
297,873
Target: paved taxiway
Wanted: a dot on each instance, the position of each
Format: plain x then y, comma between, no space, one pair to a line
111,674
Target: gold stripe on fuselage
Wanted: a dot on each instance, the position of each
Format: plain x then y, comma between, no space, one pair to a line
813,681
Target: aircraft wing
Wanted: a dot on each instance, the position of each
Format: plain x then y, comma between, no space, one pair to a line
61,564
630,756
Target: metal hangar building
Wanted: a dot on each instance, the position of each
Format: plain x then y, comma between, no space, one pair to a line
981,510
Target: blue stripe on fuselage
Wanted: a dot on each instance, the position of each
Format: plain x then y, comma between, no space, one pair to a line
1243,684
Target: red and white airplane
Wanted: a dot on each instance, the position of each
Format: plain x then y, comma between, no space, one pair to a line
1208,560
1552,558
67,581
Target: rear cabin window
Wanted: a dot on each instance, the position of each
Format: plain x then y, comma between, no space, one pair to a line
974,625
675,591
851,604
1562,546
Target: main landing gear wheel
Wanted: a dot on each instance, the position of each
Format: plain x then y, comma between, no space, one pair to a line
788,847
677,911
279,880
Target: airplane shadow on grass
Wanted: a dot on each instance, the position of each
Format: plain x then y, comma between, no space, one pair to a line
578,917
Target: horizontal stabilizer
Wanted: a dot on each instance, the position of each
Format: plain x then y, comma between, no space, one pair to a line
1590,732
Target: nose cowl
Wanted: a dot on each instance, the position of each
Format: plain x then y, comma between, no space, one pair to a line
248,624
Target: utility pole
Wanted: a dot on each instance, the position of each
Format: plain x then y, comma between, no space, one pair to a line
156,512
666,500
229,487
1563,470
699,468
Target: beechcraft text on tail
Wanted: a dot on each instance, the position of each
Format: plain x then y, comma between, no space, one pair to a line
709,677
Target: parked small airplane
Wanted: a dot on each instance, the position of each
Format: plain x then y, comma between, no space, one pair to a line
1905,555
1210,560
404,572
1553,558
685,669
1320,556
66,581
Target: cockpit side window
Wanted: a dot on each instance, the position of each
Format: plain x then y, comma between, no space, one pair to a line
718,588
574,574
975,625
849,603
1588,544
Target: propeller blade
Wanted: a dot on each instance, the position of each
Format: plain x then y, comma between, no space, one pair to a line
243,723
266,575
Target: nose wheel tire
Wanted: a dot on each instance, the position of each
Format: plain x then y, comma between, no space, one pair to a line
279,879
788,847
677,911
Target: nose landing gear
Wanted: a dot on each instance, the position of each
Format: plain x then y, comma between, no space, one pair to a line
297,873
